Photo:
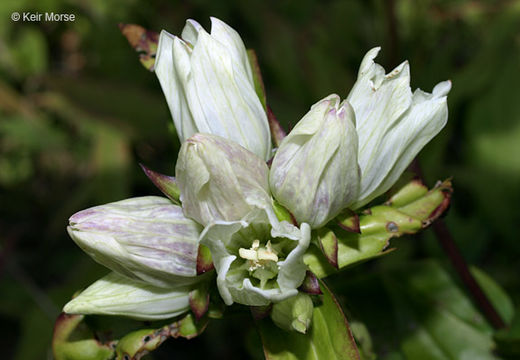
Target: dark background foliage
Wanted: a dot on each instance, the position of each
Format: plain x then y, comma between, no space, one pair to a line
78,112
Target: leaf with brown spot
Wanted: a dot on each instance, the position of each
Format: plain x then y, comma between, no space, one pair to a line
410,209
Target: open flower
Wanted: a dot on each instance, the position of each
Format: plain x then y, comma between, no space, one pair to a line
208,84
224,186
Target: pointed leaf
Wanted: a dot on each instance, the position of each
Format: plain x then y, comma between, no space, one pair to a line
165,183
408,193
329,337
408,211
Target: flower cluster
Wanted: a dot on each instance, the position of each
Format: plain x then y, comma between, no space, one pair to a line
341,154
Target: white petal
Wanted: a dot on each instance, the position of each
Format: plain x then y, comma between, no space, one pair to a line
190,32
379,102
231,40
171,80
427,116
315,173
226,98
220,180
117,295
146,238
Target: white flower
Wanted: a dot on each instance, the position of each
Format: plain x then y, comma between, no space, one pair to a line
208,84
258,259
315,172
393,124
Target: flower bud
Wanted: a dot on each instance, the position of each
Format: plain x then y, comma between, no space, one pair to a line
294,313
315,172
145,238
220,180
208,84
393,124
116,294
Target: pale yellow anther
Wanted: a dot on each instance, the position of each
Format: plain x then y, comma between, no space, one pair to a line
248,254
257,255
265,254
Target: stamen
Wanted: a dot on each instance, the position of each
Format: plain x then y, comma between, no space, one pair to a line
258,256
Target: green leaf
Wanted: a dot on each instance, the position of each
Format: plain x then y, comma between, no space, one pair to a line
436,319
496,295
409,210
329,337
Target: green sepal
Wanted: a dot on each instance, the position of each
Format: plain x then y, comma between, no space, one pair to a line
348,220
310,284
328,243
73,340
281,212
294,313
199,301
165,183
277,132
204,260
143,41
408,211
257,77
216,308
187,327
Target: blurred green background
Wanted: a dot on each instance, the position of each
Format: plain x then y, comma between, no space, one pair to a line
78,112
